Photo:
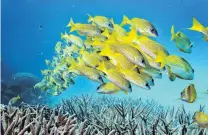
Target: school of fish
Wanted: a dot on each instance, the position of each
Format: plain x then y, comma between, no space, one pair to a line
116,58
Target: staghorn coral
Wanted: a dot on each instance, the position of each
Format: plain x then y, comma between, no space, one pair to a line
89,115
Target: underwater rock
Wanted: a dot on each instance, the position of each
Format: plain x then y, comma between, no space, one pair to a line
22,84
88,115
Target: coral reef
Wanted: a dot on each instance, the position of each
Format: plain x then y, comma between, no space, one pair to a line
89,115
22,84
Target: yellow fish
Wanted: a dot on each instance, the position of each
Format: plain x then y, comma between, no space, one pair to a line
101,21
189,94
48,62
143,26
117,58
181,41
135,78
46,72
144,44
59,48
201,119
88,30
151,72
179,66
115,77
90,73
109,88
119,30
90,59
151,62
14,100
131,53
197,26
72,39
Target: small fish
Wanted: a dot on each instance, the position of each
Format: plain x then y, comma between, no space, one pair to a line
109,88
151,72
197,26
90,73
189,94
59,48
48,62
46,72
14,100
179,66
88,30
135,77
182,41
142,26
114,76
101,21
201,119
72,39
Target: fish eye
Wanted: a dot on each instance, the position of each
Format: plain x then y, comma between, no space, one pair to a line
147,85
98,87
143,61
130,86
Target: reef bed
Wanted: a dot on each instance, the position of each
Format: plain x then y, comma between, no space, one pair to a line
89,115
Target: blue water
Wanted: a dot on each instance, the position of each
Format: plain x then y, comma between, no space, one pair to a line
25,46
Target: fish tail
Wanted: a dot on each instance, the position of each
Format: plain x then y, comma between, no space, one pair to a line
112,21
161,59
106,51
72,25
73,64
125,21
196,26
90,18
172,33
102,67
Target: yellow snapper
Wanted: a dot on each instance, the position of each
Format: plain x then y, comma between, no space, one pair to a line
197,26
48,62
101,21
135,78
114,76
119,30
90,73
72,39
88,30
131,53
151,71
14,100
179,66
59,48
144,44
109,88
46,72
67,77
201,119
189,94
117,58
90,59
181,41
143,26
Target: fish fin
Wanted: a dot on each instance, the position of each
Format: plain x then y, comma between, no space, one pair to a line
62,36
161,59
125,21
112,38
106,33
172,33
72,25
106,51
132,35
171,75
125,92
90,18
101,67
196,26
73,64
96,41
112,21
